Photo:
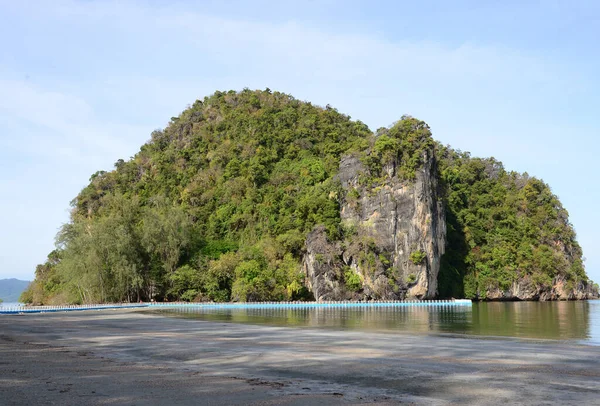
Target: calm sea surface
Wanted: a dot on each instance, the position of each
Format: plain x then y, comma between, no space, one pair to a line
573,321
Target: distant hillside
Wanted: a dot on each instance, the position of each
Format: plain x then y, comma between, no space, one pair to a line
11,289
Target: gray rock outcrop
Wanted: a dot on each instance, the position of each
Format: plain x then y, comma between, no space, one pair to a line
394,239
561,289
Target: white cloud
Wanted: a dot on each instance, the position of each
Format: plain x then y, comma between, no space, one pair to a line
306,51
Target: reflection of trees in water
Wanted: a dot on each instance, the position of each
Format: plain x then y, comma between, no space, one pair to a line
410,318
553,320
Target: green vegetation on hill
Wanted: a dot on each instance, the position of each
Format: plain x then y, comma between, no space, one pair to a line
217,206
502,227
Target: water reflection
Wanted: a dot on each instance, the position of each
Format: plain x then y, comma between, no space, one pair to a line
542,320
549,320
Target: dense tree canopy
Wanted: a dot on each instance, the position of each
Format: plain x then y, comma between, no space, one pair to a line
217,206
502,226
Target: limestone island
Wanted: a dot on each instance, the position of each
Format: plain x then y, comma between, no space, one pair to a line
258,196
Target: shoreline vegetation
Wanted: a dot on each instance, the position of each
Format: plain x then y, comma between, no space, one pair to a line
256,196
122,357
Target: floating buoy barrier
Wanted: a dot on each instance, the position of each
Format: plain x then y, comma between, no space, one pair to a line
307,305
251,305
69,308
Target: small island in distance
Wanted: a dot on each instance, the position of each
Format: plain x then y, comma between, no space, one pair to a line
257,196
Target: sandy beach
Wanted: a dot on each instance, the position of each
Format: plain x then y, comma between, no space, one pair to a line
129,357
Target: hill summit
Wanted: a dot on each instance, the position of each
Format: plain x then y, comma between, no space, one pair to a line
255,195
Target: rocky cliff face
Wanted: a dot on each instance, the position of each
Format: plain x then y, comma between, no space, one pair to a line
561,289
395,236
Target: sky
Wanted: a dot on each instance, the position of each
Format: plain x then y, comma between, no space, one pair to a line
84,83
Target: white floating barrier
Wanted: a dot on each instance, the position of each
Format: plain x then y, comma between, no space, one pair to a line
249,305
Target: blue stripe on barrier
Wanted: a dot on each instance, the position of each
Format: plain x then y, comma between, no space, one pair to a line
311,304
262,305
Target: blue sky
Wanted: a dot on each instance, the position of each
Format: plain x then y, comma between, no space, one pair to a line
83,83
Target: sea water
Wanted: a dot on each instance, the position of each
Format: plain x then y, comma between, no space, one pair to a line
573,321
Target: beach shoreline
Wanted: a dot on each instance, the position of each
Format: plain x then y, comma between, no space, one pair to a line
131,357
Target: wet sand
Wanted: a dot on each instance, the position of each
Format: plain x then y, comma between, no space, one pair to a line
128,357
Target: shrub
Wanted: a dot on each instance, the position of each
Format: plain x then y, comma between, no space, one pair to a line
417,257
353,280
